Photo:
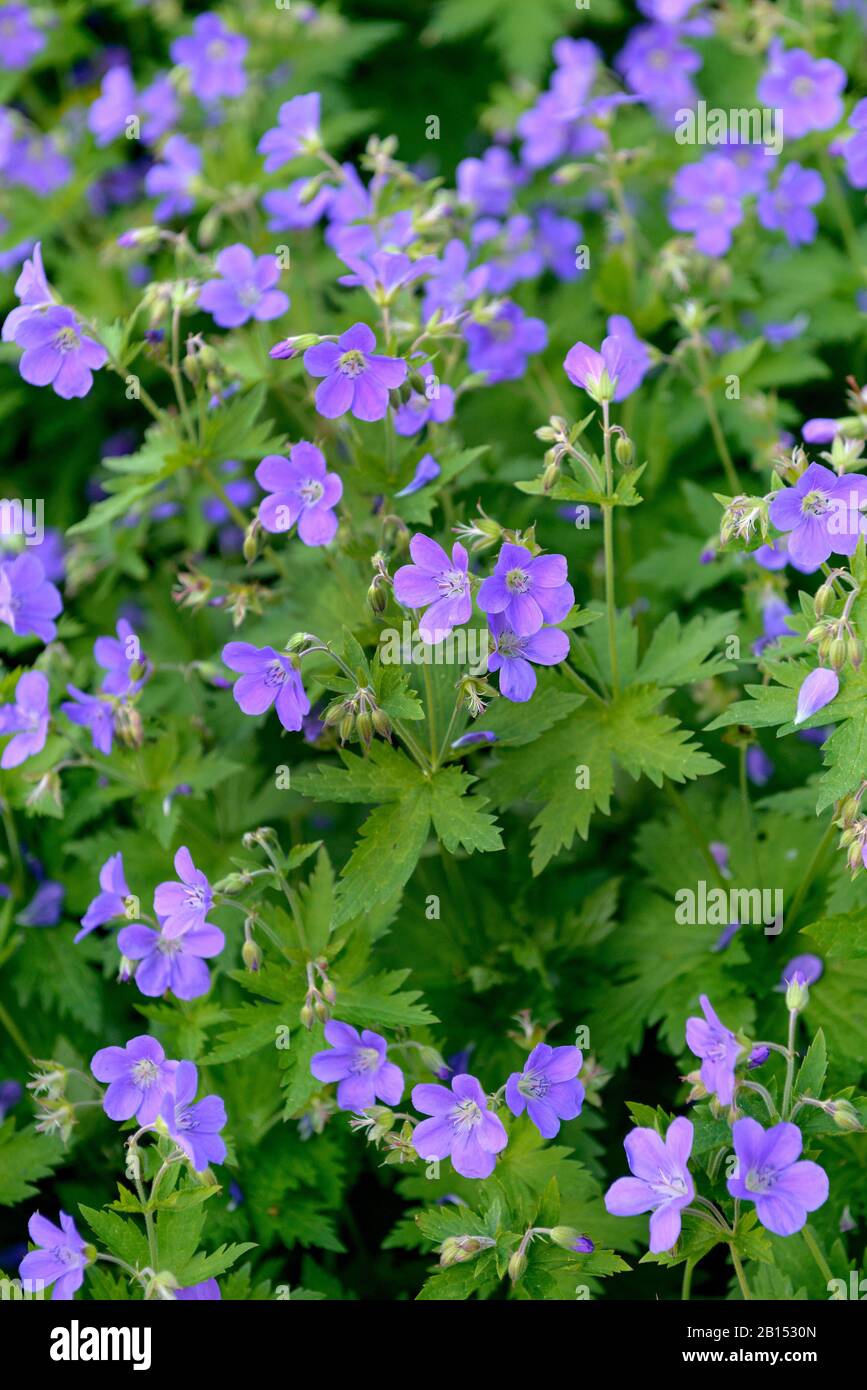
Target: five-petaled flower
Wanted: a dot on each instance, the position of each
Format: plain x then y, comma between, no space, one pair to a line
356,378
661,1182
461,1126
359,1063
772,1174
268,677
548,1088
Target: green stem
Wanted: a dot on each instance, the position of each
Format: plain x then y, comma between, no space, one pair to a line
840,206
812,1246
13,1031
790,1065
739,1271
719,438
687,1281
608,539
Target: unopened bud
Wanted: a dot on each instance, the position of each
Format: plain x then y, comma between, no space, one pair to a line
823,596
844,1115
854,652
837,654
517,1266
551,477
251,955
564,1236
797,994
306,1016
624,450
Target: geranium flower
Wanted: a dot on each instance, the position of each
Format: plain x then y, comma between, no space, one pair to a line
139,1077
214,56
822,513
718,1048
171,963
804,89
662,1182
462,1126
356,379
93,713
28,602
772,1174
183,907
527,590
548,1088
58,353
513,654
60,1260
244,289
195,1127
267,678
297,132
434,579
359,1063
26,720
110,901
302,491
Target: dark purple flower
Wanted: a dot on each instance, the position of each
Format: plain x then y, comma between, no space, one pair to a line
527,590
60,1259
817,691
822,512
10,1094
356,379
501,347
267,677
462,1126
244,289
512,655
26,720
139,1077
359,1063
718,1048
661,1182
215,58
20,40
297,132
173,178
436,580
208,1290
760,768
183,907
45,908
451,284
28,603
488,184
758,1057
426,471
176,964
770,1174
473,737
706,200
547,1088
301,491
58,353
804,89
775,615
110,901
786,208
194,1126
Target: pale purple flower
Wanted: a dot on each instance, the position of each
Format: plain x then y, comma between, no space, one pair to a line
772,1174
173,178
434,408
58,353
245,288
20,40
753,163
356,378
60,1259
819,430
171,963
108,115
359,1063
183,906
786,208
301,491
657,67
288,211
158,104
207,1291
28,603
94,713
426,471
110,901
501,348
661,1181
706,200
45,908
548,1088
809,967
37,163
623,357
26,720
297,132
718,1048
139,1077
215,58
558,239
194,1125
451,284
822,513
33,292
513,654
462,1127
527,590
489,184
434,579
817,691
268,678
806,89
117,656
760,768
385,274
854,150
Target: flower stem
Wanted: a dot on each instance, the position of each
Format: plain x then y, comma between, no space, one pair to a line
608,539
790,1065
716,430
813,1247
739,1271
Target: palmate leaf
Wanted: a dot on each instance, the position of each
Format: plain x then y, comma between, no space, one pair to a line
25,1157
629,732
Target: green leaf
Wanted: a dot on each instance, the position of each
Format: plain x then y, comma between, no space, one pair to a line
811,1074
25,1158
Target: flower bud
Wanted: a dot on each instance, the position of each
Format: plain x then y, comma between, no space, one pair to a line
758,1056
306,1016
377,597
624,450
823,597
837,654
854,652
797,994
844,1115
564,1236
381,723
551,477
433,1060
321,1010
251,955
517,1266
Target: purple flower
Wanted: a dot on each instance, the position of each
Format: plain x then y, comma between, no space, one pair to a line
117,655
623,358
823,514
297,132
527,590
356,379
426,471
60,1260
158,103
28,603
301,491
33,292
501,348
289,211
657,67
359,1063
810,968
245,288
512,655
769,1174
172,179
547,1088
435,579
195,1127
26,720
108,115
267,677
58,353
661,1182
718,1048
94,713
757,1058
760,768
451,284
818,690
20,40
110,901
473,737
854,150
819,430
706,200
36,162
209,1289
139,1077
10,1094
775,613
183,907
558,239
462,1126
434,408
215,58
171,963
805,89
488,184
786,208
45,907
385,273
